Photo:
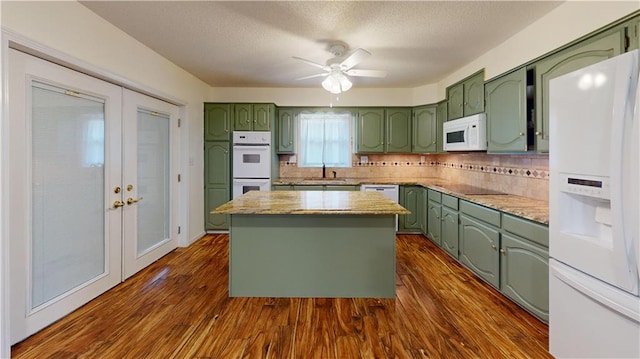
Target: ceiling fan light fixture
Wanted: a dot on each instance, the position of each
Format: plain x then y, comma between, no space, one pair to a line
336,83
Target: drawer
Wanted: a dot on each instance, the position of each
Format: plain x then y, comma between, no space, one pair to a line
488,215
450,201
435,196
527,229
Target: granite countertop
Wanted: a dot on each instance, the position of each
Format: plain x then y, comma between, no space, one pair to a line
311,202
529,208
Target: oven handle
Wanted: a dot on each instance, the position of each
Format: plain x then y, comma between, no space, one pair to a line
251,147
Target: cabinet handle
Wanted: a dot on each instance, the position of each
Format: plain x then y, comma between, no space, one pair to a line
226,152
502,251
433,143
538,133
493,246
521,133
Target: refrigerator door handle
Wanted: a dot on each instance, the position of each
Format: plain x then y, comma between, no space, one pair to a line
624,173
612,298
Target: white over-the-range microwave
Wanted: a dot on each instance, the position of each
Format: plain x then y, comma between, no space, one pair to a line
466,134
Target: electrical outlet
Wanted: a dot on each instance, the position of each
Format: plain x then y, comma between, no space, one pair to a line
364,159
293,159
422,159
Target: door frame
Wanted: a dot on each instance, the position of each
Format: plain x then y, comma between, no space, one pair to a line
14,40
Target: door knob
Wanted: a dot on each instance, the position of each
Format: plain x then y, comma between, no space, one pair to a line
118,204
132,201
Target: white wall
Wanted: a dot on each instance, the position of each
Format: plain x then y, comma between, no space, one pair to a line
72,29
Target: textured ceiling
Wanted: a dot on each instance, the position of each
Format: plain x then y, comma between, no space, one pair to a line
251,43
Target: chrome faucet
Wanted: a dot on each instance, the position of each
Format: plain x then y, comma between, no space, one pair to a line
324,171
334,174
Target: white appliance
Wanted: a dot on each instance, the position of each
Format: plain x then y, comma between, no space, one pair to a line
389,190
251,162
594,196
466,134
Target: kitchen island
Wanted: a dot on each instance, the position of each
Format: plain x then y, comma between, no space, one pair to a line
312,244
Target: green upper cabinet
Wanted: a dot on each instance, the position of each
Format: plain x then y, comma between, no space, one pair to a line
253,117
474,94
243,120
263,114
370,131
466,97
380,130
633,32
286,131
217,121
583,54
506,111
425,125
441,117
455,97
398,130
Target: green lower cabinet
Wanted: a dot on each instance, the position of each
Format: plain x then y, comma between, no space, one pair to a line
341,188
479,248
524,274
411,198
434,223
214,197
281,187
449,231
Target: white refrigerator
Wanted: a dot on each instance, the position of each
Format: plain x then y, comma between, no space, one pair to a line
594,197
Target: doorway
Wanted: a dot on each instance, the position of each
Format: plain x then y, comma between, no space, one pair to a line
92,187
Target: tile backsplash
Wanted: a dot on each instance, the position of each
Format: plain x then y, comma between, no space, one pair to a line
523,175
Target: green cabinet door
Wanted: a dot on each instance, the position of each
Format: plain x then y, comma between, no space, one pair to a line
398,130
575,57
425,135
262,116
217,183
217,121
479,249
633,32
216,164
449,231
285,128
524,274
243,120
214,197
441,117
506,111
370,131
455,99
434,224
412,200
424,225
474,94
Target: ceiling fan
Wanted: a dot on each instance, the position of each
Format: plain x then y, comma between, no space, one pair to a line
338,67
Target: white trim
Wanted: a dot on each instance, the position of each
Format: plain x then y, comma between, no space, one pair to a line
200,235
5,347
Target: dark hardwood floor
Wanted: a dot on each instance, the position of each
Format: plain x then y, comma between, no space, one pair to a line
179,308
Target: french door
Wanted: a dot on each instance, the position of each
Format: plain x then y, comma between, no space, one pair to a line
81,154
149,179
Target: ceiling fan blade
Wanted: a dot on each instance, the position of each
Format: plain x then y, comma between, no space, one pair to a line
312,63
312,76
366,73
354,59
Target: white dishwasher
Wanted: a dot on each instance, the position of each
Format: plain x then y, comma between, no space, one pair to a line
389,190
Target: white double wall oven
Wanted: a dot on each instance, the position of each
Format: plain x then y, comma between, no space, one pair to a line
92,188
251,162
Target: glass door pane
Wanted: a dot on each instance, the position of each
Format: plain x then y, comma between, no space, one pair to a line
68,221
153,179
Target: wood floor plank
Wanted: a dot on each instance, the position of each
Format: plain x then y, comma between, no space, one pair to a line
179,307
